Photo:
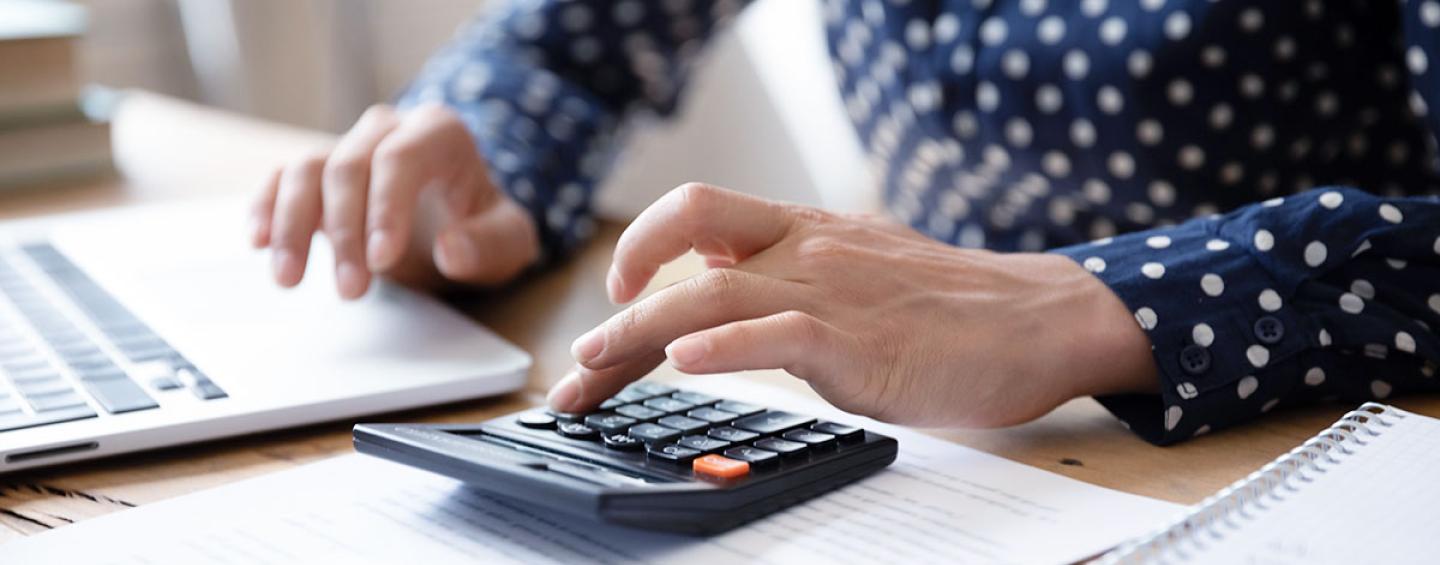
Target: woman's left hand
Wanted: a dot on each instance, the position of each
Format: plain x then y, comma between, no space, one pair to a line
877,318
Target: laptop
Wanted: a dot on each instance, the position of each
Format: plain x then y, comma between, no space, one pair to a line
154,326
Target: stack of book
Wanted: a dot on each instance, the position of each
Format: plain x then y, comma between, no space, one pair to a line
45,136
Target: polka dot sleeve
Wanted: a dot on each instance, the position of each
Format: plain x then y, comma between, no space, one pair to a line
543,84
1332,293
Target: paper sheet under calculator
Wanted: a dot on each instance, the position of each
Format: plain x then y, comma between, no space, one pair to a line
939,502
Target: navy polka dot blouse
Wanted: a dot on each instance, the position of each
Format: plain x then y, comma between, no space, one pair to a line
1255,180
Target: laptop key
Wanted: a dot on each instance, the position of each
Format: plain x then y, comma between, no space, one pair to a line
120,395
9,404
166,382
208,390
19,421
771,422
56,385
48,402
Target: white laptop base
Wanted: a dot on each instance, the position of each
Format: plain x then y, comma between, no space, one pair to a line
149,327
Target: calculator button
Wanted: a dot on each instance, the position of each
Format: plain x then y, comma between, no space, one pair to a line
576,430
668,405
622,442
811,438
740,408
638,412
682,423
537,420
731,434
653,433
782,446
611,404
756,457
631,395
609,423
566,416
704,443
771,422
842,432
722,467
712,415
671,453
695,398
651,388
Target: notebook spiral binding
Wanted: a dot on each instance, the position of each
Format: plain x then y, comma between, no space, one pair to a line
1230,508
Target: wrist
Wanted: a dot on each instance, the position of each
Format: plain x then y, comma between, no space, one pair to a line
1104,351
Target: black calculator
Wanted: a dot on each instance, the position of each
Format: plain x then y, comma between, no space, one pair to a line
652,457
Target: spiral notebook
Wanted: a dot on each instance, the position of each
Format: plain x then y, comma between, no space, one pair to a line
1364,490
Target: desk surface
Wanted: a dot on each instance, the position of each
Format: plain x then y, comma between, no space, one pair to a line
169,150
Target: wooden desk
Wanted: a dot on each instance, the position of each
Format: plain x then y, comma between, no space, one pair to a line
171,150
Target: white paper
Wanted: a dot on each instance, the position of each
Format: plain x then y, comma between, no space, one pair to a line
939,502
1375,505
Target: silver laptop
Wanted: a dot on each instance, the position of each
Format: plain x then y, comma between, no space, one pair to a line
156,326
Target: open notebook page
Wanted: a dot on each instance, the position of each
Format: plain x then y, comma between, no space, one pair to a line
1376,505
939,502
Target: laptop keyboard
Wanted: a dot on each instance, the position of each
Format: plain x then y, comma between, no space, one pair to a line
70,351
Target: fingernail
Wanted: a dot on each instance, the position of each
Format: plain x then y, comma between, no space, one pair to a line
456,252
612,285
380,249
284,265
351,280
565,393
589,346
687,351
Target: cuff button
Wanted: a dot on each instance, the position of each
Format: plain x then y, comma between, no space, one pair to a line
1269,330
1194,359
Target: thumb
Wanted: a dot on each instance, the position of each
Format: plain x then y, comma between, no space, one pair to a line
488,248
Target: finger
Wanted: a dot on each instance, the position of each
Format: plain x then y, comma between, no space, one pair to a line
712,298
710,220
262,211
297,215
584,389
424,149
797,342
489,248
344,190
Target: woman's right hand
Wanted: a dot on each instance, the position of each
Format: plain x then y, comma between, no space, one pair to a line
403,194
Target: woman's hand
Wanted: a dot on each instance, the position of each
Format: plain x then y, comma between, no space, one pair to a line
877,318
401,194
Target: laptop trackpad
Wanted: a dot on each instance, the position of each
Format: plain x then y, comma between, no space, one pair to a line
188,270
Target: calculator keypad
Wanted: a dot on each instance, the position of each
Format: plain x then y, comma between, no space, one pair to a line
714,437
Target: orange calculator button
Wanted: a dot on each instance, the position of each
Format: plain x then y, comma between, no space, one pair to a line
722,467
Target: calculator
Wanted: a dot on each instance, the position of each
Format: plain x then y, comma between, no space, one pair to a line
652,457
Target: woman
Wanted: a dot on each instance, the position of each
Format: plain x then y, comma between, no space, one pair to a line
1223,155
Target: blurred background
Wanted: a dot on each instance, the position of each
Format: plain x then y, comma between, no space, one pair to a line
763,115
